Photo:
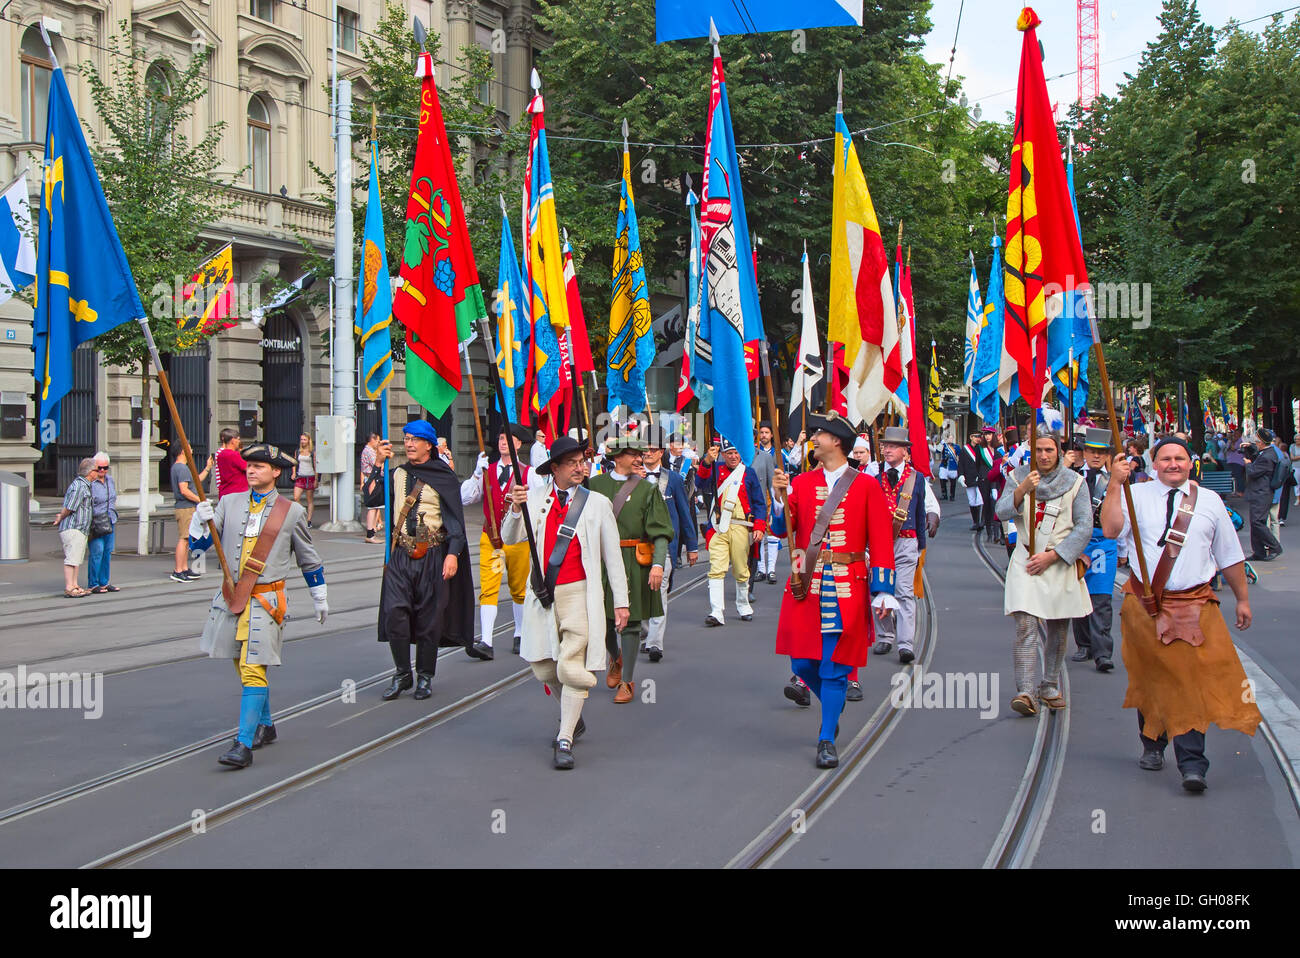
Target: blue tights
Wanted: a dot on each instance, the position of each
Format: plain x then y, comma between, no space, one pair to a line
254,709
829,681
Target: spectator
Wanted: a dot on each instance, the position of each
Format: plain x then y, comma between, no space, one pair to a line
230,465
103,527
1236,461
374,513
184,496
1260,464
1294,455
538,454
444,453
73,521
304,475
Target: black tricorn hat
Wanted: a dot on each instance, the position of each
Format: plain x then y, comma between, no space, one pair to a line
836,425
564,446
265,452
517,430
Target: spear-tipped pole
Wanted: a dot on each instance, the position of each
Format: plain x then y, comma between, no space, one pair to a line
771,405
713,36
574,375
494,531
625,134
227,577
839,94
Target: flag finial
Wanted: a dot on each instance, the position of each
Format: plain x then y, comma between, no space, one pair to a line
624,134
421,35
839,95
536,80
713,36
690,183
502,198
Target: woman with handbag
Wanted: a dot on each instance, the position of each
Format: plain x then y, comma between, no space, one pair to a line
103,525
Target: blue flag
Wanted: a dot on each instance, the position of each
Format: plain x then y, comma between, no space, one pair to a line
631,341
730,315
84,285
682,19
512,323
375,304
1071,330
1223,408
988,355
697,368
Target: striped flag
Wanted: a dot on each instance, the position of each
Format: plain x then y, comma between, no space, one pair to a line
936,399
631,341
808,371
375,304
974,316
17,241
512,324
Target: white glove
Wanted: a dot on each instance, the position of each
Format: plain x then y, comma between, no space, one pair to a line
481,464
961,481
883,600
318,600
203,512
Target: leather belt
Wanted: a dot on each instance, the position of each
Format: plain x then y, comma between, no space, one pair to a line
630,543
844,558
281,605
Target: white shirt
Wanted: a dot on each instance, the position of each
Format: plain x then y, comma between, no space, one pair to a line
471,490
931,501
538,454
1211,545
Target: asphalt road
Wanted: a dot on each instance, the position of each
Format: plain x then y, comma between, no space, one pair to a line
686,775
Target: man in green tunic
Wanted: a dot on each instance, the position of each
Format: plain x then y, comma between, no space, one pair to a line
644,522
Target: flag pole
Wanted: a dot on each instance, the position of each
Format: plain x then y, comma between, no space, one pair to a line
771,406
165,386
482,451
383,396
575,377
490,345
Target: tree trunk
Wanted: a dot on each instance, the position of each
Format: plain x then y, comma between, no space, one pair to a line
146,433
1241,400
1285,421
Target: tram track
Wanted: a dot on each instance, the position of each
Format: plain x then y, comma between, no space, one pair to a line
138,851
786,829
1022,830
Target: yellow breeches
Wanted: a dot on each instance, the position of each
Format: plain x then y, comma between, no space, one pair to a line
730,549
516,562
250,676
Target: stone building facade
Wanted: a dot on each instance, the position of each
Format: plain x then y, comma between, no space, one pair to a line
268,80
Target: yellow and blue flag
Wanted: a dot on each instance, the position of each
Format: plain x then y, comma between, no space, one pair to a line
512,325
84,285
631,341
375,304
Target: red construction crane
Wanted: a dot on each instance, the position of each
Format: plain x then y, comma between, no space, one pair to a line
1089,52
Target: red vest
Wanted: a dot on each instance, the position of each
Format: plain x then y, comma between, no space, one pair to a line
491,487
571,568
861,524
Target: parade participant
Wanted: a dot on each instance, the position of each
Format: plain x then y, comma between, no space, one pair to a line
427,596
670,486
766,462
578,536
1183,669
861,452
682,461
1263,468
737,520
246,619
969,473
494,557
1092,633
907,508
1044,591
948,459
840,549
645,530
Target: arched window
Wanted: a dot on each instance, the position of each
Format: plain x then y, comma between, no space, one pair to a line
158,92
34,85
259,144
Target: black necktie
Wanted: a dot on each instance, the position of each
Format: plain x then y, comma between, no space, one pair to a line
1169,515
653,475
562,497
893,477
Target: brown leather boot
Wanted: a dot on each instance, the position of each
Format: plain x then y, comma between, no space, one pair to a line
615,673
624,693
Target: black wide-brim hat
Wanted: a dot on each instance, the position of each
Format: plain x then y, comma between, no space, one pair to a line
836,425
517,430
564,446
272,455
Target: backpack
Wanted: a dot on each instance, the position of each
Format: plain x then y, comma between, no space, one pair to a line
1280,469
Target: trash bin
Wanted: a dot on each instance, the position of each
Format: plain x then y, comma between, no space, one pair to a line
15,520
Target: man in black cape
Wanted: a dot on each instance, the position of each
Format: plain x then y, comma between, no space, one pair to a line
427,595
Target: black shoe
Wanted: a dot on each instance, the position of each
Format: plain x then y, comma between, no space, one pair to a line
1081,655
241,756
771,578
747,617
1104,664
179,577
1194,781
563,753
1259,558
798,693
1152,760
827,757
401,682
751,590
423,687
192,575
655,654
905,656
854,693
882,648
264,735
515,648
711,622
480,650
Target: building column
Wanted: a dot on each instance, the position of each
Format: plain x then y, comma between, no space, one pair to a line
460,32
519,58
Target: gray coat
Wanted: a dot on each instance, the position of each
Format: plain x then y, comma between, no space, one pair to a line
764,469
265,637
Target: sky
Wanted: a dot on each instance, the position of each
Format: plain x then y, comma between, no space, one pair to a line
988,44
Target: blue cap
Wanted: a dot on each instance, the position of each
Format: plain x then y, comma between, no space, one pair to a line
421,429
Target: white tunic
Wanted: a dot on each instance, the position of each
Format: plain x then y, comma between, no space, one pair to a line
1057,592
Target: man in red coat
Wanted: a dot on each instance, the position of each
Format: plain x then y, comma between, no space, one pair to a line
825,625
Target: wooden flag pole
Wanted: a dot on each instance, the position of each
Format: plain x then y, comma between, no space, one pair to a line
482,450
228,578
771,406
